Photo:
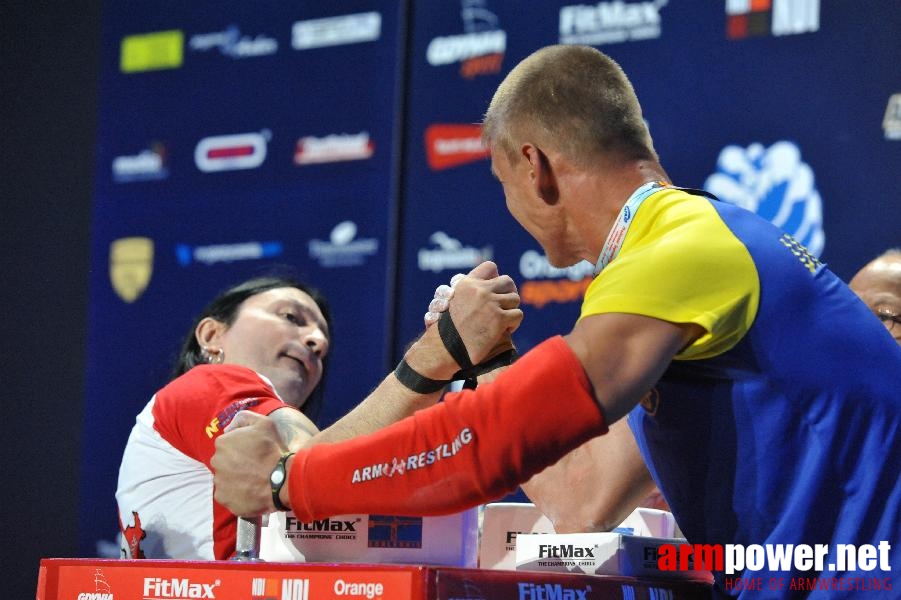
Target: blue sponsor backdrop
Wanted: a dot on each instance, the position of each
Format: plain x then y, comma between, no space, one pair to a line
242,137
342,141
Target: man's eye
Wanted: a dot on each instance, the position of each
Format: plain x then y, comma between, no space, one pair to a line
293,318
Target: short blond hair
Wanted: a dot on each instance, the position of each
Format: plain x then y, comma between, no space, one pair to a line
572,97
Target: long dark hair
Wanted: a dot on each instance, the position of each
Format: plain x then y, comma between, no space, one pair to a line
224,308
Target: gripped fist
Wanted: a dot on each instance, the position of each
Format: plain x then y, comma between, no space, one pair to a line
485,310
245,456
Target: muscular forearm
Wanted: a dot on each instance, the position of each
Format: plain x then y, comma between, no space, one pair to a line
388,403
594,487
391,401
474,447
294,428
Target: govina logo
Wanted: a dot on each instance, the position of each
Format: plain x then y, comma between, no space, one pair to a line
480,50
774,183
156,588
101,591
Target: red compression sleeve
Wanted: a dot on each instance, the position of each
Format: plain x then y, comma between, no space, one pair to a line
474,447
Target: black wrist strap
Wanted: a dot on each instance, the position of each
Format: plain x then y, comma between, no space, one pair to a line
416,382
468,372
276,488
452,341
469,376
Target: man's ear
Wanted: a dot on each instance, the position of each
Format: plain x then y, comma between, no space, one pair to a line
541,173
208,332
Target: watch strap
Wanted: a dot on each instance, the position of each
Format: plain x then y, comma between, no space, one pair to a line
277,487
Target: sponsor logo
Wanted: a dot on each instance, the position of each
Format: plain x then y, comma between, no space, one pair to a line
565,551
450,254
479,50
336,31
324,529
232,44
151,51
546,591
228,413
547,284
891,123
774,558
102,590
450,146
533,265
147,165
133,534
262,588
395,532
333,148
226,253
610,22
399,466
231,152
156,588
342,249
130,266
541,293
755,18
774,183
368,590
511,537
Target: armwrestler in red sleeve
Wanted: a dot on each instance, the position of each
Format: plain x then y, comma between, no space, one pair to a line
474,447
260,348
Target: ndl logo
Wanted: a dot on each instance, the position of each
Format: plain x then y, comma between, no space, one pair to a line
279,589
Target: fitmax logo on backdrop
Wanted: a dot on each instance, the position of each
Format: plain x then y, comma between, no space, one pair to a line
776,184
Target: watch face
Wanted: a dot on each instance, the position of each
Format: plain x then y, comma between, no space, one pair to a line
277,477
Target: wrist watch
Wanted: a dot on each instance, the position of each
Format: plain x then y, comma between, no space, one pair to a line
277,479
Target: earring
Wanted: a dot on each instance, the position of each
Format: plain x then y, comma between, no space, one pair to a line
212,357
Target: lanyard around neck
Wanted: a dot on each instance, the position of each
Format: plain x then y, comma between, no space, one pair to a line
623,221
